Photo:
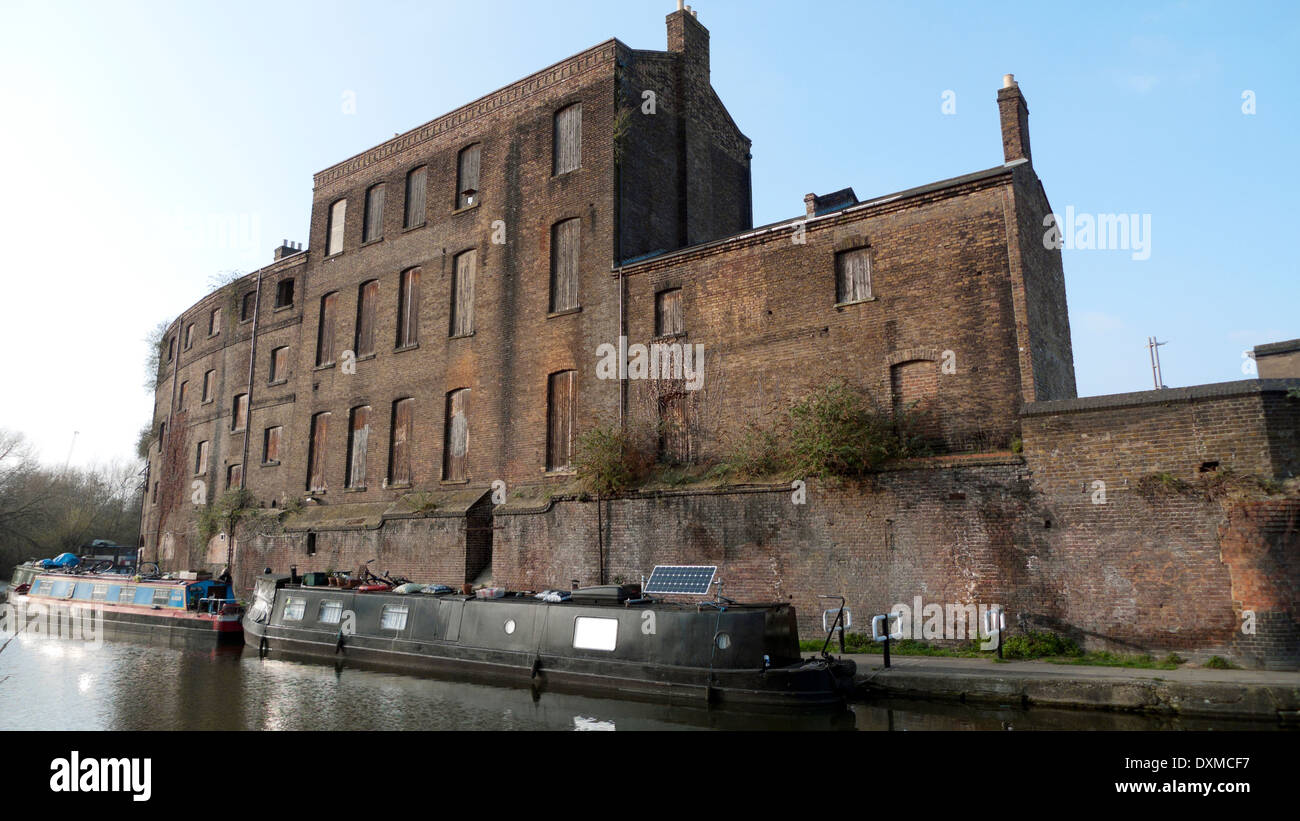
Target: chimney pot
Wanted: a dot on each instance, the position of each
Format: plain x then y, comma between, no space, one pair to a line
1008,80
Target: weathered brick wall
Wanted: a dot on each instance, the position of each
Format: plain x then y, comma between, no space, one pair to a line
1139,574
1249,427
764,308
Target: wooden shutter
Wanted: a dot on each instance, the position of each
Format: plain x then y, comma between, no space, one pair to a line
338,217
214,322
271,445
560,412
201,459
320,424
246,308
467,176
374,227
234,476
415,182
854,280
358,441
566,242
367,295
668,313
568,139
408,313
674,439
278,362
208,378
239,414
462,304
325,334
399,458
180,396
456,441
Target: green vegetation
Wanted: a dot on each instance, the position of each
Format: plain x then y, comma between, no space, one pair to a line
835,431
611,460
1039,645
225,513
1219,663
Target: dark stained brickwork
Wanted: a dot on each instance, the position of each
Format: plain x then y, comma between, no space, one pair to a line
965,313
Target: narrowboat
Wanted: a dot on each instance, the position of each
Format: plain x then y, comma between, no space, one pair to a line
609,640
174,612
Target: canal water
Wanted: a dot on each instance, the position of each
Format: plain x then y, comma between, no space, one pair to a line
54,684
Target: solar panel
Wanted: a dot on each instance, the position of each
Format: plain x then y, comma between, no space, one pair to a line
681,579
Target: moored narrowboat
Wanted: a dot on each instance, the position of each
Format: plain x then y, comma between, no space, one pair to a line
169,611
609,640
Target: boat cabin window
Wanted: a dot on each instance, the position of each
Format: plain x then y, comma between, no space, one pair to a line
126,595
43,589
99,593
393,617
330,612
594,634
294,608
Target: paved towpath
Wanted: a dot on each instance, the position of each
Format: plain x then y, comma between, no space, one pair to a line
1269,695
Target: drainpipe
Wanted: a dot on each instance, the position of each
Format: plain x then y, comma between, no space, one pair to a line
248,420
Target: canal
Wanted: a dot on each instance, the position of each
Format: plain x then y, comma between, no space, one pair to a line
52,684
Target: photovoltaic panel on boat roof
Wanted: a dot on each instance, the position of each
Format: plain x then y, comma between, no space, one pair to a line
681,579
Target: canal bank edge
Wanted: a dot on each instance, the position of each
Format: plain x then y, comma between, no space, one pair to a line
1255,695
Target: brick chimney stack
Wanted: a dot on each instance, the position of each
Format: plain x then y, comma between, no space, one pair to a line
1015,120
687,37
287,248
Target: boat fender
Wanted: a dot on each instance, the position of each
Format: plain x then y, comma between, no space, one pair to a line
537,666
262,646
338,646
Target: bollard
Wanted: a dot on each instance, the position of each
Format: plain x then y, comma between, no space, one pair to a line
877,634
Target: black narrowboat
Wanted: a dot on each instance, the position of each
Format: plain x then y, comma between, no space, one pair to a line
606,640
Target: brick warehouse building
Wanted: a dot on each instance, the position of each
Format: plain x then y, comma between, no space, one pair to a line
441,333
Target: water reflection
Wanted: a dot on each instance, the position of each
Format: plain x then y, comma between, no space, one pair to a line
63,685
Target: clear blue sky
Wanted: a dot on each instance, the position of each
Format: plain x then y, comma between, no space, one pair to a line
130,132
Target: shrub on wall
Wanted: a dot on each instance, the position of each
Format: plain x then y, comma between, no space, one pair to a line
836,431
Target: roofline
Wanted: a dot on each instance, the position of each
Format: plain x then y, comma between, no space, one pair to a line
336,171
1271,348
771,228
1214,390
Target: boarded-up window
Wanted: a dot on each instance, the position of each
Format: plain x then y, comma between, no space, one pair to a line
201,459
189,336
171,348
284,293
338,217
462,294
280,364
467,177
559,422
320,428
456,439
367,295
566,242
399,449
214,322
325,333
568,139
408,308
853,278
180,395
674,435
668,313
247,305
209,385
271,445
374,227
239,412
358,444
153,497
415,182
234,476
913,387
